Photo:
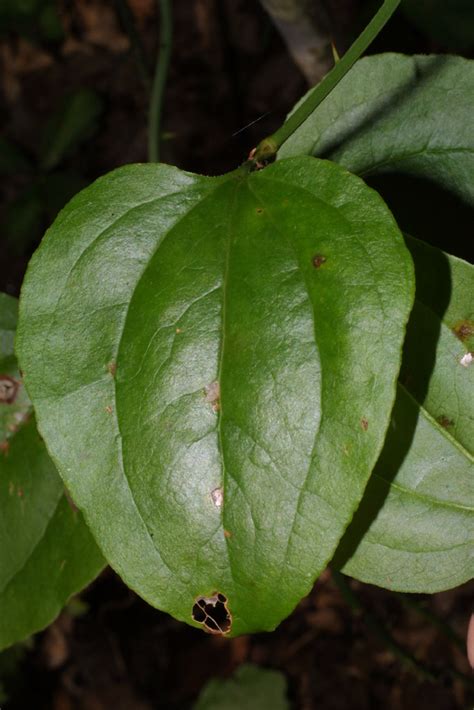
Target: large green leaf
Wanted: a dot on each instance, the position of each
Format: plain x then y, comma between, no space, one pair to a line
46,551
397,114
414,530
213,363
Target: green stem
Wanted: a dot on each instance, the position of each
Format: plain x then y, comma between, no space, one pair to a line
128,22
383,634
159,81
267,149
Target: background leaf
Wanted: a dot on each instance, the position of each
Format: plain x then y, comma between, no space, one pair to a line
393,113
73,123
250,687
414,530
46,551
155,285
405,125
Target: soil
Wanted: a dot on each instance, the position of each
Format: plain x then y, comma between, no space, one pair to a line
231,83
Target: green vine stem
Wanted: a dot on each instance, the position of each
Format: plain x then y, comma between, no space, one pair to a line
268,148
159,81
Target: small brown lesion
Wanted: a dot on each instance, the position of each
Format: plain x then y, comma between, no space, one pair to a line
445,421
213,394
213,613
364,424
318,260
463,329
8,389
112,368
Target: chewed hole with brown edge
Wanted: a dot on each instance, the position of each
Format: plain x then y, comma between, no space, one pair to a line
213,614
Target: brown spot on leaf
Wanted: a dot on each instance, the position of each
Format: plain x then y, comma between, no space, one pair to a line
213,393
8,389
20,492
213,614
70,501
463,329
112,368
227,533
445,421
318,260
259,210
108,409
364,423
4,447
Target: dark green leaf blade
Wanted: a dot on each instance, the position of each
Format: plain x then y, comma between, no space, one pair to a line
398,114
72,123
46,551
414,530
175,352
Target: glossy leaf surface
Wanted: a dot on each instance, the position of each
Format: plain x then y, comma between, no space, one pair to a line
397,114
46,551
417,517
213,363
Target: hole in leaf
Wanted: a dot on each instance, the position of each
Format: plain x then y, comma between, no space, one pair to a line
8,389
213,613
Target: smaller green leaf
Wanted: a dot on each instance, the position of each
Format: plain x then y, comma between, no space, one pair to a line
397,114
46,551
73,123
250,688
414,530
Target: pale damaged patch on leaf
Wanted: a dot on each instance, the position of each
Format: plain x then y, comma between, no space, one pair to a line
213,395
217,496
466,359
213,614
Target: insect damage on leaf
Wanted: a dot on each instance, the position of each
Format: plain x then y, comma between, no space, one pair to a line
8,389
466,359
212,613
213,394
217,496
318,260
464,329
